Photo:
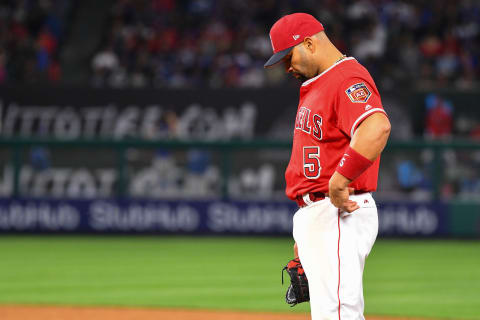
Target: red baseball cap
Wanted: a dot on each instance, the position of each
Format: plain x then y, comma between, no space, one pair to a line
289,31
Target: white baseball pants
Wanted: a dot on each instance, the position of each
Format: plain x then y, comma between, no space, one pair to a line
332,248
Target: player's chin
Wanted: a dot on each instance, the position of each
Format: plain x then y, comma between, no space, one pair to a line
300,77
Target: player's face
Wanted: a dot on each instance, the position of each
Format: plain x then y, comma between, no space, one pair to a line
297,63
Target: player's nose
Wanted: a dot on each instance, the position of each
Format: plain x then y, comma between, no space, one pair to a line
288,67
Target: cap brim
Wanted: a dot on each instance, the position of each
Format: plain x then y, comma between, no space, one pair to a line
277,57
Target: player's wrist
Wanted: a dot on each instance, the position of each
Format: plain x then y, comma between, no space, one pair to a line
353,164
338,182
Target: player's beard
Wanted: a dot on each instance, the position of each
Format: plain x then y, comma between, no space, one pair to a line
301,77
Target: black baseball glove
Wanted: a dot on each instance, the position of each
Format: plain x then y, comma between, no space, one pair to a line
297,292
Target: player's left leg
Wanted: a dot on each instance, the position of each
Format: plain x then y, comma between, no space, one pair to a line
358,232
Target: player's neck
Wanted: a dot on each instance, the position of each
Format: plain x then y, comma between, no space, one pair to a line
330,56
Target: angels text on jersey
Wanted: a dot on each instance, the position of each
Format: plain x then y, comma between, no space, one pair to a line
302,122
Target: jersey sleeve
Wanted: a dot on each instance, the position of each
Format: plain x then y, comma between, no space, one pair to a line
357,99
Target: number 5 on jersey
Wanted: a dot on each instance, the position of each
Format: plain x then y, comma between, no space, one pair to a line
311,162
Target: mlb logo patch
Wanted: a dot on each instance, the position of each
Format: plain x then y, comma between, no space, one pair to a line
358,93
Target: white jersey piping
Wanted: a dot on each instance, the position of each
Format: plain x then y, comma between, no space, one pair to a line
363,116
325,71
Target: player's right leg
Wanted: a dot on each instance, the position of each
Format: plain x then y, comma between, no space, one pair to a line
315,230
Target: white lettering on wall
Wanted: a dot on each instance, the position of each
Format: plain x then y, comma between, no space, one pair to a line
109,121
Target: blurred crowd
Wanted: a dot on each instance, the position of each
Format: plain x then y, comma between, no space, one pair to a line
31,35
208,43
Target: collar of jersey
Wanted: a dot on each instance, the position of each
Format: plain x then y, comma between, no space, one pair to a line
306,83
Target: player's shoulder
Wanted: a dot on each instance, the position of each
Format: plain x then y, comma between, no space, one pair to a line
352,69
348,69
354,75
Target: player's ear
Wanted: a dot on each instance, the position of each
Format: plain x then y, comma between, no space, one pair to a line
309,44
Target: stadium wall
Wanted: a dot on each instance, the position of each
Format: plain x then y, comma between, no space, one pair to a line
56,190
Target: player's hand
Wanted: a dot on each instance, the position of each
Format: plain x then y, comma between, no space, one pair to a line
338,191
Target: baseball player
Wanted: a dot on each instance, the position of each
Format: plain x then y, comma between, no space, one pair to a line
340,130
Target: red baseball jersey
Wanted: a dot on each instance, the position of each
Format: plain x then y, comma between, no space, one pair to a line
331,107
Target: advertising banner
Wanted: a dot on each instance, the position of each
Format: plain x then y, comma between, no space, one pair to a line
413,219
104,216
194,217
75,113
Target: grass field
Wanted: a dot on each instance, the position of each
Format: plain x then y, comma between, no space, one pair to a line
411,278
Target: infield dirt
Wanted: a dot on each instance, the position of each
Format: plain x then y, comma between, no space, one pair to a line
91,313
